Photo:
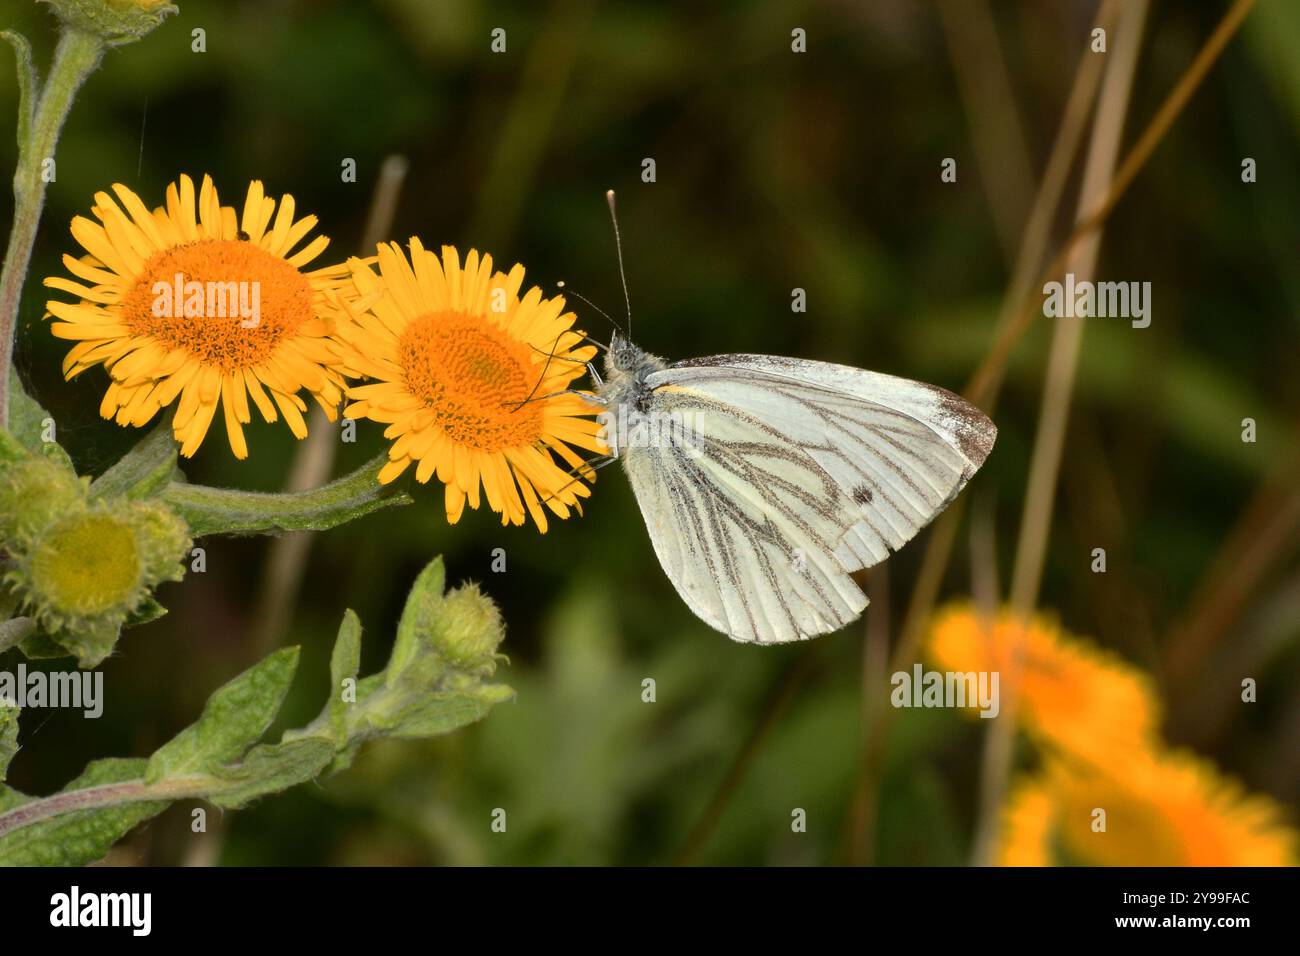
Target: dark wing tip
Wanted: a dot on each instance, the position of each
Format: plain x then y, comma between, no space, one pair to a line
974,431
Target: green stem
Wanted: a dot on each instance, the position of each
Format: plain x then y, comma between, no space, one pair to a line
230,511
75,58
105,795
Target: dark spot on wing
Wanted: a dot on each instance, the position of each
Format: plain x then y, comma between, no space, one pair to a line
862,495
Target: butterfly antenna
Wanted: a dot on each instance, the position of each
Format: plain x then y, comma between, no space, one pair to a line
541,378
594,306
618,246
558,358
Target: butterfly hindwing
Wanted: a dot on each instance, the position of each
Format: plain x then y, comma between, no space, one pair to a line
742,522
786,476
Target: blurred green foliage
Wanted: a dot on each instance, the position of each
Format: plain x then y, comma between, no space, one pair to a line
775,171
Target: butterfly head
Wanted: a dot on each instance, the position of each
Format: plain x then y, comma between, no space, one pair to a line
623,356
626,369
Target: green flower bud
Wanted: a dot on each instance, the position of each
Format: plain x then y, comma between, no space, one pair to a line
33,493
468,629
116,21
86,565
83,574
164,540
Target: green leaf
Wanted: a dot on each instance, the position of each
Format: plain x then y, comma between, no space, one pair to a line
148,610
27,83
432,715
345,663
145,470
90,643
423,605
8,736
40,646
229,511
10,798
235,717
15,631
270,768
219,758
80,836
27,423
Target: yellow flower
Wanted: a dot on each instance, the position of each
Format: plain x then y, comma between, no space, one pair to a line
1072,696
1164,810
203,304
470,379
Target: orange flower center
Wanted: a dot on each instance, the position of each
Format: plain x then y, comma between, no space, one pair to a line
227,302
473,377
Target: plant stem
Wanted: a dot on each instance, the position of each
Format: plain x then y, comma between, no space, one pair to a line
1049,442
1024,306
787,688
985,382
230,511
75,58
286,559
105,795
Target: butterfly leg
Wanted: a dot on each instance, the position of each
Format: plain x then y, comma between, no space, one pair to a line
584,470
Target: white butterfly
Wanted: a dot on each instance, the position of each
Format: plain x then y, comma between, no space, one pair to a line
766,481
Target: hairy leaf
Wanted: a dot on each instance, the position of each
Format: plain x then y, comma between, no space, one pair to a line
219,758
145,470
28,422
423,605
345,663
79,836
235,718
8,735
270,768
27,83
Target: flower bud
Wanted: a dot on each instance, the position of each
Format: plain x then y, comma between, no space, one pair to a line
86,564
469,628
116,21
84,572
33,493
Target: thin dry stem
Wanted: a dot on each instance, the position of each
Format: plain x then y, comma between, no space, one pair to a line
1049,443
996,131
313,462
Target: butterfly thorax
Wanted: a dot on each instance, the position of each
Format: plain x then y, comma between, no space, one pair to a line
626,369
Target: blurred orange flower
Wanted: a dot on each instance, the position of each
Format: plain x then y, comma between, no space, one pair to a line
1170,809
1073,697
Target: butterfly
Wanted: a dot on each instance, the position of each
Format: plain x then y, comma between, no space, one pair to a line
765,482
